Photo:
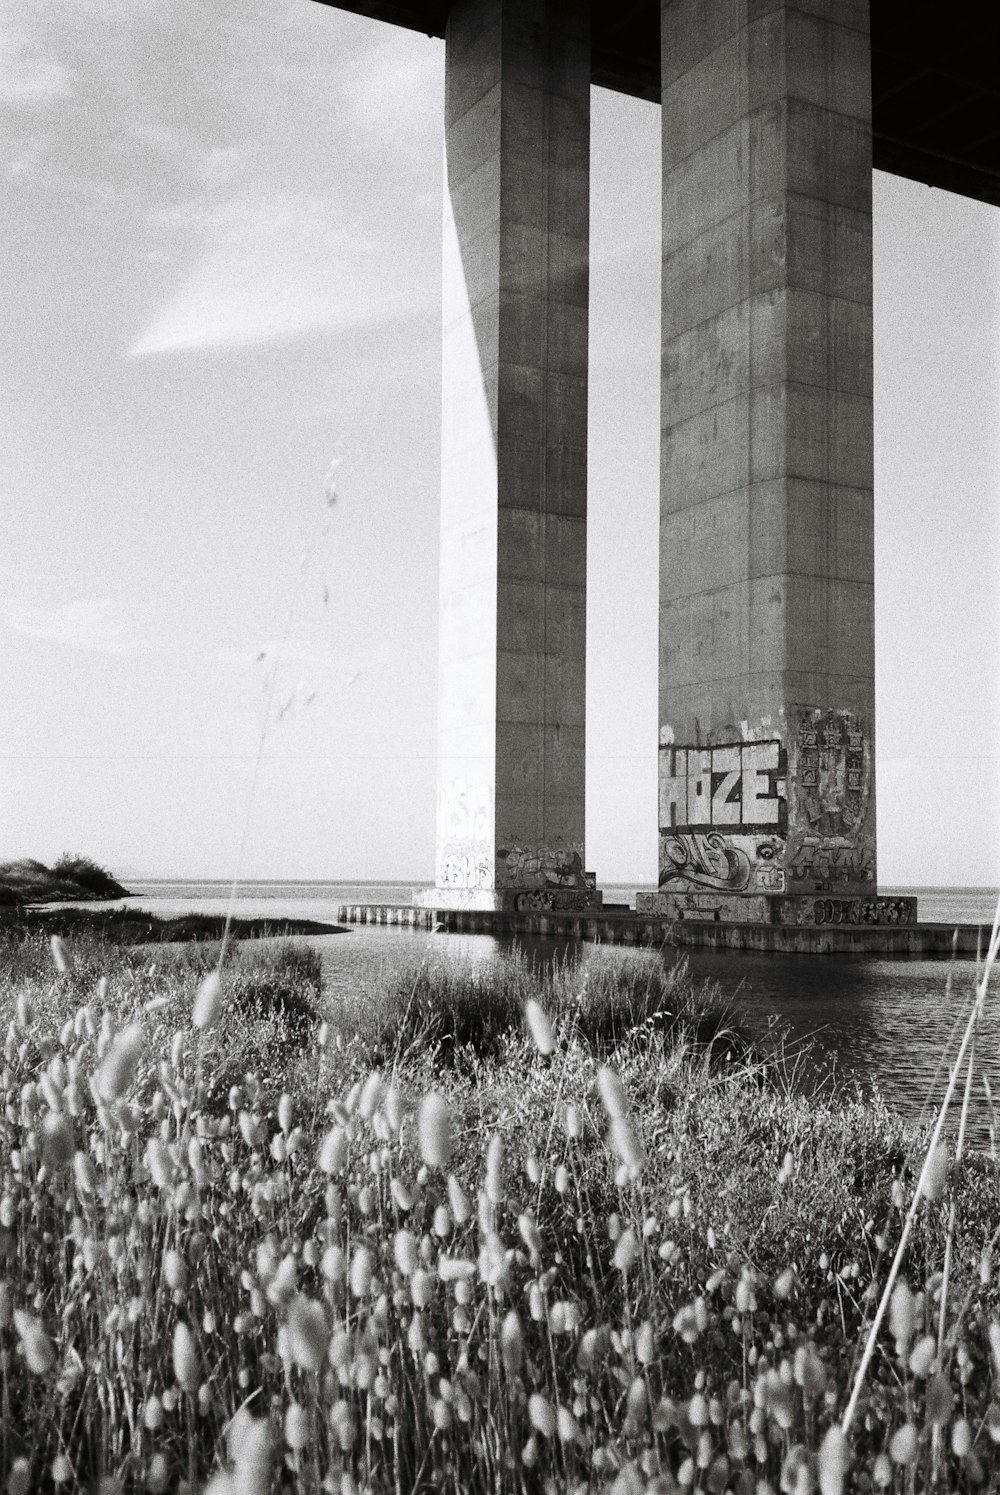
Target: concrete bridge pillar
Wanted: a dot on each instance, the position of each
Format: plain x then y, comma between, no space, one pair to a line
767,752
514,456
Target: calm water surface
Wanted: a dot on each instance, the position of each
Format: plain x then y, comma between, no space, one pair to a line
890,1023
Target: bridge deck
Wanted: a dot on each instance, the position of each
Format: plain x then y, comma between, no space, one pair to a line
935,81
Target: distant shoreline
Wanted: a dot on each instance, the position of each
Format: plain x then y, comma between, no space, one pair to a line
70,879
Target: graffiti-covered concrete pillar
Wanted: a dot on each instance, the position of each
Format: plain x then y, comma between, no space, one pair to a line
514,456
767,782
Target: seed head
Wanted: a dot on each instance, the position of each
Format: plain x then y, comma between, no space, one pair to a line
626,1144
923,1355
994,1333
512,1343
308,1333
645,1343
333,1150
901,1312
60,955
370,1095
940,1399
362,1271
612,1092
185,1357
57,1141
404,1249
249,1442
539,1027
39,1356
391,1109
296,1426
62,1470
541,1415
460,1206
175,1270
566,1425
208,1002
936,1175
903,1444
494,1169
19,1478
434,1127
118,1069
833,1460
626,1251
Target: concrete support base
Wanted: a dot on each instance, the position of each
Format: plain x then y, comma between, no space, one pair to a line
914,941
775,908
511,900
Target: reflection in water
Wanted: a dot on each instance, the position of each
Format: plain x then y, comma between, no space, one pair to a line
888,1024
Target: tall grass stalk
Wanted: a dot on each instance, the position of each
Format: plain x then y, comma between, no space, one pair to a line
921,1189
270,691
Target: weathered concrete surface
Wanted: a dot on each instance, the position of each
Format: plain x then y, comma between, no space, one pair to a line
514,450
767,754
907,941
779,908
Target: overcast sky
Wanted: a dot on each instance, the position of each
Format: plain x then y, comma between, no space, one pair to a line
220,273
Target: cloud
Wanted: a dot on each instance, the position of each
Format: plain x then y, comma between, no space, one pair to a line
29,74
397,86
280,266
99,624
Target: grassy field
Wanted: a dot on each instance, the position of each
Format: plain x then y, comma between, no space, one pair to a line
473,1232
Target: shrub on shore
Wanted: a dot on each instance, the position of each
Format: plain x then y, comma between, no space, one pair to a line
87,874
529,1271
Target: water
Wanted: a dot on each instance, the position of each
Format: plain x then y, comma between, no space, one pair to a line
890,1023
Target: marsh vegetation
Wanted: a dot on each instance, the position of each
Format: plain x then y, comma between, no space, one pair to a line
480,1231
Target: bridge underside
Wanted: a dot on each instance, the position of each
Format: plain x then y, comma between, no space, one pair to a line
935,80
773,114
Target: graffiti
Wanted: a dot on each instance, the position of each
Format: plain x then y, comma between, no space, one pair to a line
464,871
465,835
831,840
791,812
654,903
836,859
465,813
723,864
830,770
860,911
711,861
542,867
569,900
734,784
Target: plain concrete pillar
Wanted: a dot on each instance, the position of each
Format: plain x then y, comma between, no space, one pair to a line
514,455
767,753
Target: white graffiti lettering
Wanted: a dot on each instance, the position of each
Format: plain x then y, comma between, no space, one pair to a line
735,784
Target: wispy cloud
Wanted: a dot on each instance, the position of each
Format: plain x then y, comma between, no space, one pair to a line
90,623
277,266
124,628
29,73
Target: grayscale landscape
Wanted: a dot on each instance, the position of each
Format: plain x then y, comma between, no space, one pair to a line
499,862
